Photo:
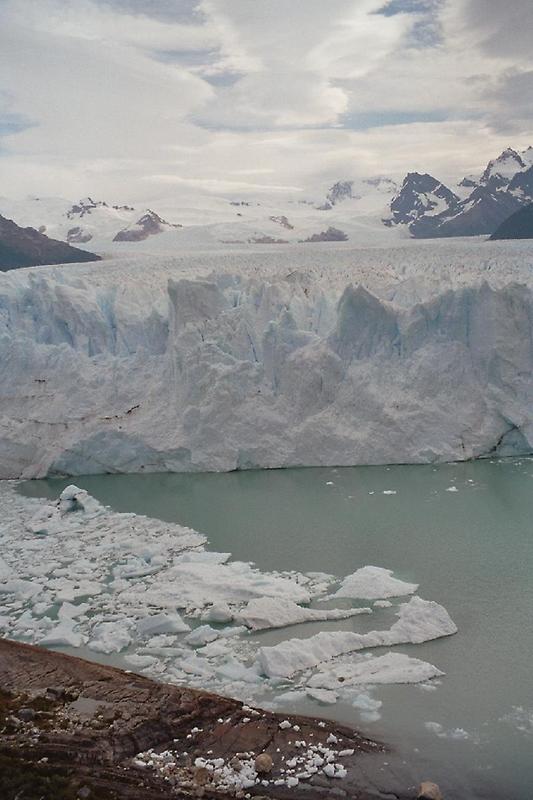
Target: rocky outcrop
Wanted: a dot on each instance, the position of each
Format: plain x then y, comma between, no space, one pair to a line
342,190
26,247
283,221
78,235
329,235
71,728
266,240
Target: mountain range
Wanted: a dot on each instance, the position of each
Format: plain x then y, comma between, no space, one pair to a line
375,210
476,207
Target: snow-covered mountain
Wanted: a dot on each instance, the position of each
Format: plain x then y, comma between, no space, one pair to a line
478,205
367,195
370,211
421,196
149,224
214,222
86,220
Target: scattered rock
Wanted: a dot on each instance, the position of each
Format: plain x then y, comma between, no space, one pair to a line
151,727
55,692
201,776
263,763
26,714
429,791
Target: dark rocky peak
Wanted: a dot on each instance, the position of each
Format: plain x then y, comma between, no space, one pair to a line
421,182
85,206
469,182
420,194
386,185
340,191
147,225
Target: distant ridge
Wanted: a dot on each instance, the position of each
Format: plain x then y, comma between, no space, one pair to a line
26,247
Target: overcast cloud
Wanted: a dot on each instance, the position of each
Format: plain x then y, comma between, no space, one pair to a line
138,100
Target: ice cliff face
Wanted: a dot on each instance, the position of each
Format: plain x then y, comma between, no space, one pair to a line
218,363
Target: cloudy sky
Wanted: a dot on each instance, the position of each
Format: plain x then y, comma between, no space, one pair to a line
138,99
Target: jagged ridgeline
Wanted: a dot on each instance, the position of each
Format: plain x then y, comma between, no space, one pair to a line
368,211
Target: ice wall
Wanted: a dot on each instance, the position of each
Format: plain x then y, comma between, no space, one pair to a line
157,368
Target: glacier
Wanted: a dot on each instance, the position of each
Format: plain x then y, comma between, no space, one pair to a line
216,361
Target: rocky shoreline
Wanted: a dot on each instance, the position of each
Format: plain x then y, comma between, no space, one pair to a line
70,728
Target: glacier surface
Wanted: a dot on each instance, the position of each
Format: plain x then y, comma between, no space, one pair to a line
220,361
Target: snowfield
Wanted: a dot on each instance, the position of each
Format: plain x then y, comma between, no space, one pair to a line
318,354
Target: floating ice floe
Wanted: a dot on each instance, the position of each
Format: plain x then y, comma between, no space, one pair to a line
117,582
111,637
459,734
521,719
368,707
374,583
161,623
419,621
64,634
271,612
363,670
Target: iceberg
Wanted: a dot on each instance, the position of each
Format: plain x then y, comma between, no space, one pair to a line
374,583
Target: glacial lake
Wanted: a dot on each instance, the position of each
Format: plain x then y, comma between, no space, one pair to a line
470,549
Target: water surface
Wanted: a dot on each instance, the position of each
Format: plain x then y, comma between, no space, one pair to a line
470,549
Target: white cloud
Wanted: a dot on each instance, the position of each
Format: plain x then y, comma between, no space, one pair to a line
296,84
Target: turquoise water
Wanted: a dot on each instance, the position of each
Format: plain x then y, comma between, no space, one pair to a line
471,550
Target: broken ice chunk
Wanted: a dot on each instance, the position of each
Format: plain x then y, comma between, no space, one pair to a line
374,583
161,623
274,612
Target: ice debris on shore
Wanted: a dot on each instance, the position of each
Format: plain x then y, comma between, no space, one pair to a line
75,573
232,776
